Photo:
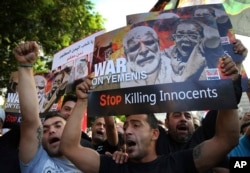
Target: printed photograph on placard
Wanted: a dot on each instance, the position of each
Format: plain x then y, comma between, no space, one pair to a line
136,55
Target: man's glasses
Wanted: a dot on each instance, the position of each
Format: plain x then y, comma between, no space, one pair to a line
58,82
189,36
40,87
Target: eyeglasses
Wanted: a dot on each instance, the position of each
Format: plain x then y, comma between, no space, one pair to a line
59,81
40,87
189,36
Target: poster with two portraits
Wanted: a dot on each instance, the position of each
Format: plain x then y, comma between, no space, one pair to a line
163,62
70,65
49,95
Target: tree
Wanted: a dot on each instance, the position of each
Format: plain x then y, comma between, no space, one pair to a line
54,24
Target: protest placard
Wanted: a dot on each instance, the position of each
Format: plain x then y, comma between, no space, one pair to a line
136,72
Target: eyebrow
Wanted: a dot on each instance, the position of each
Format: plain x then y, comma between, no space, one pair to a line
55,123
132,121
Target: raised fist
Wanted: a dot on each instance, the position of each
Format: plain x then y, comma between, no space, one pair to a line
27,52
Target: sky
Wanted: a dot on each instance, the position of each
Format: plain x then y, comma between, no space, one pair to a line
115,11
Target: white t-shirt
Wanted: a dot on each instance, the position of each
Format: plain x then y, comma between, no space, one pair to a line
43,163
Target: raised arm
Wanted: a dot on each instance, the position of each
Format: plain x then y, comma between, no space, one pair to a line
31,127
209,153
86,159
111,131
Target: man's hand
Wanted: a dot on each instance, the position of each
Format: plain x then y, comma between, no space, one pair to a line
27,52
239,48
118,156
83,88
228,67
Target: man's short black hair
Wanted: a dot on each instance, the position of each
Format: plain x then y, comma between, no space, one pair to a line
69,97
53,114
151,119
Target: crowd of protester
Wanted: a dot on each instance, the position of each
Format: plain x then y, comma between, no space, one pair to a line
199,144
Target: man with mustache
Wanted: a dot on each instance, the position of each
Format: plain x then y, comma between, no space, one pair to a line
180,127
142,50
105,137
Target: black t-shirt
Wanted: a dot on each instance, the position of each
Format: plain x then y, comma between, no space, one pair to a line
86,141
165,144
105,146
179,162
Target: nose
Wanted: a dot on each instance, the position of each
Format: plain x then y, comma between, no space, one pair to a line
51,130
127,130
185,37
102,126
183,117
143,49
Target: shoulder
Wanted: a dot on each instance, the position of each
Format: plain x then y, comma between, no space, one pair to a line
37,163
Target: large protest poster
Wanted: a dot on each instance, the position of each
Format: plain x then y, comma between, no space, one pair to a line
216,11
50,89
134,72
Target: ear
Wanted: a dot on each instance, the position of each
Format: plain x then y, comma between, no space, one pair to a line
166,123
156,134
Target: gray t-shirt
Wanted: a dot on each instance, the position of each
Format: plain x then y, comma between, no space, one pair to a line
43,163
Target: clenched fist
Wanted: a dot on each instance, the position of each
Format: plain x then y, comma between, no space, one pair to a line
27,52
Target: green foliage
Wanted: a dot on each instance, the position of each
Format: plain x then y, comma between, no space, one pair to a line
54,24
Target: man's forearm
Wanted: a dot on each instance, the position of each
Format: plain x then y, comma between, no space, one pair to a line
111,130
27,94
227,126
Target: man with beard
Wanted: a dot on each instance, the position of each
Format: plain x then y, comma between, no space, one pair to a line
140,135
194,51
105,137
142,50
180,127
39,144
